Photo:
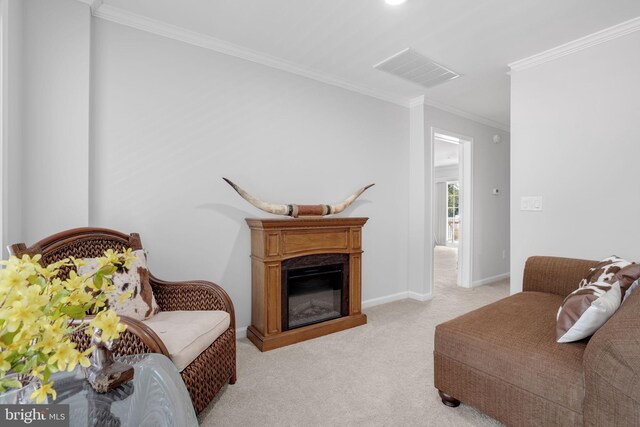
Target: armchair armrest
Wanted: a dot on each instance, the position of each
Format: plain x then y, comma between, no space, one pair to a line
611,364
138,338
554,275
191,295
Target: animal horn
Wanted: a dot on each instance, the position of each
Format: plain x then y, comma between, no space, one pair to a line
298,210
334,209
267,207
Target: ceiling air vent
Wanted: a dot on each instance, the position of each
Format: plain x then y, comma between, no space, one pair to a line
410,65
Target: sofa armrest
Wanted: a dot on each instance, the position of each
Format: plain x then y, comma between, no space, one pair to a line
554,275
611,366
191,295
138,338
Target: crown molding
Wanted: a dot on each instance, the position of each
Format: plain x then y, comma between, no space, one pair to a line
414,102
123,17
582,43
164,29
94,5
449,109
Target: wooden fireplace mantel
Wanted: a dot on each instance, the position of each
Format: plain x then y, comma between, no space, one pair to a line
275,240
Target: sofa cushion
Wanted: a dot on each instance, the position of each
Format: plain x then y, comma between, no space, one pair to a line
514,340
141,304
586,309
186,334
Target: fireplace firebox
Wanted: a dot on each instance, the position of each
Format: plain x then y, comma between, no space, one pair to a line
305,278
315,288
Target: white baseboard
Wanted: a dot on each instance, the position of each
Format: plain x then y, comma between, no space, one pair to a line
396,297
383,300
242,332
419,297
490,280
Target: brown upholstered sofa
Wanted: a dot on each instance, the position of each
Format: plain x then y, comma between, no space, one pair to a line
503,358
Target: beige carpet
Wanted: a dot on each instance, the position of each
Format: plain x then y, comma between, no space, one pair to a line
445,267
379,374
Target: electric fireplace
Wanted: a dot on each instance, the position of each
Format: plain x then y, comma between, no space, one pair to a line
315,289
305,278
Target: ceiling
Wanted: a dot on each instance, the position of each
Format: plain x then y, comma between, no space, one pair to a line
342,39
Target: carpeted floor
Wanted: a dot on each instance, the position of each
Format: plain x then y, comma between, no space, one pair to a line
379,374
445,268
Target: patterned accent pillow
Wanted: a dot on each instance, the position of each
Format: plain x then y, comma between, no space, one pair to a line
141,305
604,270
611,270
586,309
627,276
631,289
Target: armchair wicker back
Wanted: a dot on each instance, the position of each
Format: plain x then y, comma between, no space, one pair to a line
214,367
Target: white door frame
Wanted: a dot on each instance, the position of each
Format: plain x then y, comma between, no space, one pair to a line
465,242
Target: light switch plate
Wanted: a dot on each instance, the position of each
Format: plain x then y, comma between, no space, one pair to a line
531,203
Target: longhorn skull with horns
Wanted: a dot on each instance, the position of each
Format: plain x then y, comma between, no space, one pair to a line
295,211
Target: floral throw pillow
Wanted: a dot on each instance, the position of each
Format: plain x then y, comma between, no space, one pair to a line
141,304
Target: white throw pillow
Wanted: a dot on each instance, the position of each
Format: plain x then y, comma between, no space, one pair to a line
586,309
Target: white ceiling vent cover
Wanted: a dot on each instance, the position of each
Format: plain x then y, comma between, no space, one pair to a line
410,65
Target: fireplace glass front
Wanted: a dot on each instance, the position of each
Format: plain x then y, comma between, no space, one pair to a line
314,294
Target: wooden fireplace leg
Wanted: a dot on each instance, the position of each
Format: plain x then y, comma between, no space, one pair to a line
448,400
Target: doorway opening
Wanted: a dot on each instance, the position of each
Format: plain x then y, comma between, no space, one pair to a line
451,209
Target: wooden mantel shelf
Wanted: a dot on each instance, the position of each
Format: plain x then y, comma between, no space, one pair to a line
267,223
279,239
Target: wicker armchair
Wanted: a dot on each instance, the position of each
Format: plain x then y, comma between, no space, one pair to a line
209,371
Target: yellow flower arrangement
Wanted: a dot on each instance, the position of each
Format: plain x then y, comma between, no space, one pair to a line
39,312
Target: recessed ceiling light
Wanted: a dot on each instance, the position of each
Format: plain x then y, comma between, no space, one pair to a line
394,2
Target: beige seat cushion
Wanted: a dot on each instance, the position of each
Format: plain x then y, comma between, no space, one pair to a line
186,334
514,340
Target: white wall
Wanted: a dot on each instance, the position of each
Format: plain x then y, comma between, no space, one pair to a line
420,241
490,213
169,120
490,170
575,126
133,131
12,44
55,121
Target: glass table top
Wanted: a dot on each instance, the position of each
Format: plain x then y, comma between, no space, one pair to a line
156,397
